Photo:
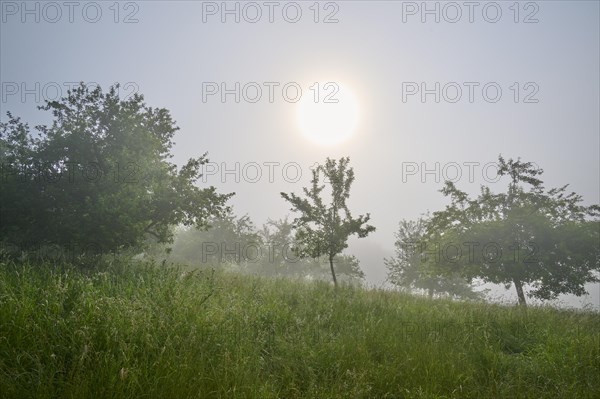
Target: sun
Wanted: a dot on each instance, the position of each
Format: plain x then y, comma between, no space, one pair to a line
328,114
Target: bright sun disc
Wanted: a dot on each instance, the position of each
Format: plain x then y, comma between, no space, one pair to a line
324,121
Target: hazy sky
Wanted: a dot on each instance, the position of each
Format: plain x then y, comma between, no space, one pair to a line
382,51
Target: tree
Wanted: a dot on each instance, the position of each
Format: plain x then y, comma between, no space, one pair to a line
544,238
279,257
324,229
99,174
227,240
408,271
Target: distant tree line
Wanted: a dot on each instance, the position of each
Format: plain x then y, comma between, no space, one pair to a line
234,243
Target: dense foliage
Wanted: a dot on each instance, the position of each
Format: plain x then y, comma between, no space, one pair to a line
98,178
408,271
527,235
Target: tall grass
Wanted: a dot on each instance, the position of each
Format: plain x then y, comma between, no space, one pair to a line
137,331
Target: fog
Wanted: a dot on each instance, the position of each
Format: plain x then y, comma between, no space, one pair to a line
441,89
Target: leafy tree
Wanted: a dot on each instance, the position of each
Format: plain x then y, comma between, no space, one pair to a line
324,229
408,271
278,239
227,240
281,259
100,173
544,238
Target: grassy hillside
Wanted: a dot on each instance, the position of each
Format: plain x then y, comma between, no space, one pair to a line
138,331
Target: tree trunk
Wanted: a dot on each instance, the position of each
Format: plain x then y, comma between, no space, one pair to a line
332,271
520,293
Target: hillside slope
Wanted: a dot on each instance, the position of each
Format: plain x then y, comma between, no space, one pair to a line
139,331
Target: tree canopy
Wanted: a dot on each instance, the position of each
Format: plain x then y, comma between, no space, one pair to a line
407,270
324,228
546,239
100,175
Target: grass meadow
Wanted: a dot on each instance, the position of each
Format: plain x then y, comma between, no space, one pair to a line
135,330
